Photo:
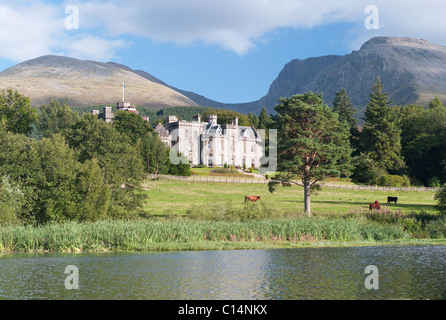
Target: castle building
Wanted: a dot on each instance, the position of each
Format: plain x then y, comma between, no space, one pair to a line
107,114
211,144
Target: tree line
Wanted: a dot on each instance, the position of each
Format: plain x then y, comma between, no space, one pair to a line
59,166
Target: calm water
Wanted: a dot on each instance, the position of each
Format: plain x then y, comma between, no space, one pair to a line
405,272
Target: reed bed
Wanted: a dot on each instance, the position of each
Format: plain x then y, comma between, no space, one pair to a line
183,233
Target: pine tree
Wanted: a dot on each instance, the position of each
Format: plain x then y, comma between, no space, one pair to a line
264,119
255,121
312,143
381,136
435,103
343,105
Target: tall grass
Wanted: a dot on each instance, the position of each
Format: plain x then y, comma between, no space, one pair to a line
145,234
250,226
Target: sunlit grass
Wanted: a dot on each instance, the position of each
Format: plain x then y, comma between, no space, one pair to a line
175,197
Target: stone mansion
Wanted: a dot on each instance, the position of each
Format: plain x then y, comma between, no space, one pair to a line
204,143
211,144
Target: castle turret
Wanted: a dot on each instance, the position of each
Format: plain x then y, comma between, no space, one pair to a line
212,118
172,119
108,115
197,118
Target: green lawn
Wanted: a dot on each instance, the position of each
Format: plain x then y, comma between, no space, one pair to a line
175,197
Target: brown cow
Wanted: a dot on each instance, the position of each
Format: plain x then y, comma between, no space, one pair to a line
375,206
252,198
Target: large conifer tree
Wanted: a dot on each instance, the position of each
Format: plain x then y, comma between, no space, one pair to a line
381,135
343,105
312,143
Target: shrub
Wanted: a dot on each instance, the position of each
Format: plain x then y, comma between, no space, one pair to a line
437,228
227,212
393,181
11,199
434,182
366,169
440,196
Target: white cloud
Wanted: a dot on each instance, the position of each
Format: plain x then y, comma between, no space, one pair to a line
29,29
232,24
94,48
32,28
26,32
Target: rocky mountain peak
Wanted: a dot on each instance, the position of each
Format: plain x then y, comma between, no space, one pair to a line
377,42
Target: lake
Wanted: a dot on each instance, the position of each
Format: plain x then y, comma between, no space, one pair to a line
398,272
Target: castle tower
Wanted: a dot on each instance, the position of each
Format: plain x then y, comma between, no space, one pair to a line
212,118
125,106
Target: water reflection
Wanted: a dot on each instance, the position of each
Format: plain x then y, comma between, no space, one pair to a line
405,272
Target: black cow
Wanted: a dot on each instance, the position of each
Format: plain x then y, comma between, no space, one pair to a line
392,199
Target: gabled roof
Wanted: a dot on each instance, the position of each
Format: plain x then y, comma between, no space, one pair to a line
213,129
248,132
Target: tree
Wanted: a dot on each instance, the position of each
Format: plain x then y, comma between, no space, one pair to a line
440,196
131,125
55,169
16,111
180,169
255,121
435,103
121,165
423,139
152,150
226,116
54,118
312,143
344,107
264,119
381,136
365,169
93,194
44,171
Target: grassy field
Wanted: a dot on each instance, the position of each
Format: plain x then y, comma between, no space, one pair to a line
165,197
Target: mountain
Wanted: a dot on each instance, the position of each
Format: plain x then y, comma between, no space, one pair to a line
412,71
87,83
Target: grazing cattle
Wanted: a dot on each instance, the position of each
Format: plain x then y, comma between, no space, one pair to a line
375,206
252,198
392,199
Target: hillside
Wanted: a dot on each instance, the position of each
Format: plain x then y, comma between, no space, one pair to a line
86,83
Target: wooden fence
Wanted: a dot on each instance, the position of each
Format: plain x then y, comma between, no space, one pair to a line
334,185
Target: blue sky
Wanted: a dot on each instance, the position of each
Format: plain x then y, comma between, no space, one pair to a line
226,50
